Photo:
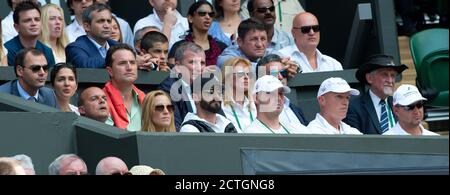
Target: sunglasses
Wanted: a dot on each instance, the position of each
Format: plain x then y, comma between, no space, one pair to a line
203,13
37,68
411,107
275,73
161,108
241,74
120,173
307,29
265,9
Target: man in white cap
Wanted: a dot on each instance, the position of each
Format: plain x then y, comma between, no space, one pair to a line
333,97
408,107
269,99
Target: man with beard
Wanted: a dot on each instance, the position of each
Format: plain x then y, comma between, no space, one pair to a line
333,97
89,51
92,104
207,95
269,99
371,113
264,11
31,71
408,107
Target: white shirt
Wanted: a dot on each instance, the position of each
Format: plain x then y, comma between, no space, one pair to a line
178,30
219,127
324,62
258,127
8,30
74,31
244,115
376,104
321,126
74,109
287,116
398,130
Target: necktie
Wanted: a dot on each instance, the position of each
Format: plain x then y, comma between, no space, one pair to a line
384,120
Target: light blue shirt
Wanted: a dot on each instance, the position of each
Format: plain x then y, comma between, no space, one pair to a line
24,94
101,49
215,30
280,39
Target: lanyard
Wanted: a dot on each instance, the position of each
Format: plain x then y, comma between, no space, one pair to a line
237,118
391,118
271,129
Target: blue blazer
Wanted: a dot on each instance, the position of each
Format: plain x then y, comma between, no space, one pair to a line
46,95
298,112
83,54
361,114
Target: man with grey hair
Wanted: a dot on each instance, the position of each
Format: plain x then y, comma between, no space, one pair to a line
190,60
26,162
89,51
68,164
111,166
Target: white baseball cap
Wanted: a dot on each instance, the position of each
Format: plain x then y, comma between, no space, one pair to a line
407,94
336,85
269,83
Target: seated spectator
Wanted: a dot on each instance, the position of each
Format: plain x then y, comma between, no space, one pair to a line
111,166
333,97
26,163
225,26
272,64
371,112
76,8
145,170
123,97
31,70
264,11
408,107
207,96
142,59
116,32
189,64
156,46
92,104
53,32
8,22
157,112
68,164
10,166
89,51
200,15
27,22
269,100
64,83
238,104
306,32
168,20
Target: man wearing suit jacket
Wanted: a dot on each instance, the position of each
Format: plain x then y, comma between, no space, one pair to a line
31,71
370,113
89,51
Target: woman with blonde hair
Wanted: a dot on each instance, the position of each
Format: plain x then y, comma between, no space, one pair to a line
157,112
53,32
238,104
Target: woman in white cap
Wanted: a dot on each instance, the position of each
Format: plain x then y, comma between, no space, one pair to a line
333,97
408,107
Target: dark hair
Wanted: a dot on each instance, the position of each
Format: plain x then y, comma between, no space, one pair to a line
10,3
69,5
24,6
194,7
151,38
268,59
98,7
249,25
60,66
20,57
251,7
121,46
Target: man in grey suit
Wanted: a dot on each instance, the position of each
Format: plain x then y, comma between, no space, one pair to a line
31,70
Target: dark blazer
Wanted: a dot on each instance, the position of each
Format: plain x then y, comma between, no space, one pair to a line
83,54
362,115
14,46
298,112
46,95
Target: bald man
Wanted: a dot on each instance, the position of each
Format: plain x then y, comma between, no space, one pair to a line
111,166
306,32
92,104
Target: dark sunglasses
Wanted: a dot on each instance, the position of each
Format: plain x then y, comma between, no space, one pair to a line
203,13
265,9
307,29
275,73
160,108
37,68
411,107
119,173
